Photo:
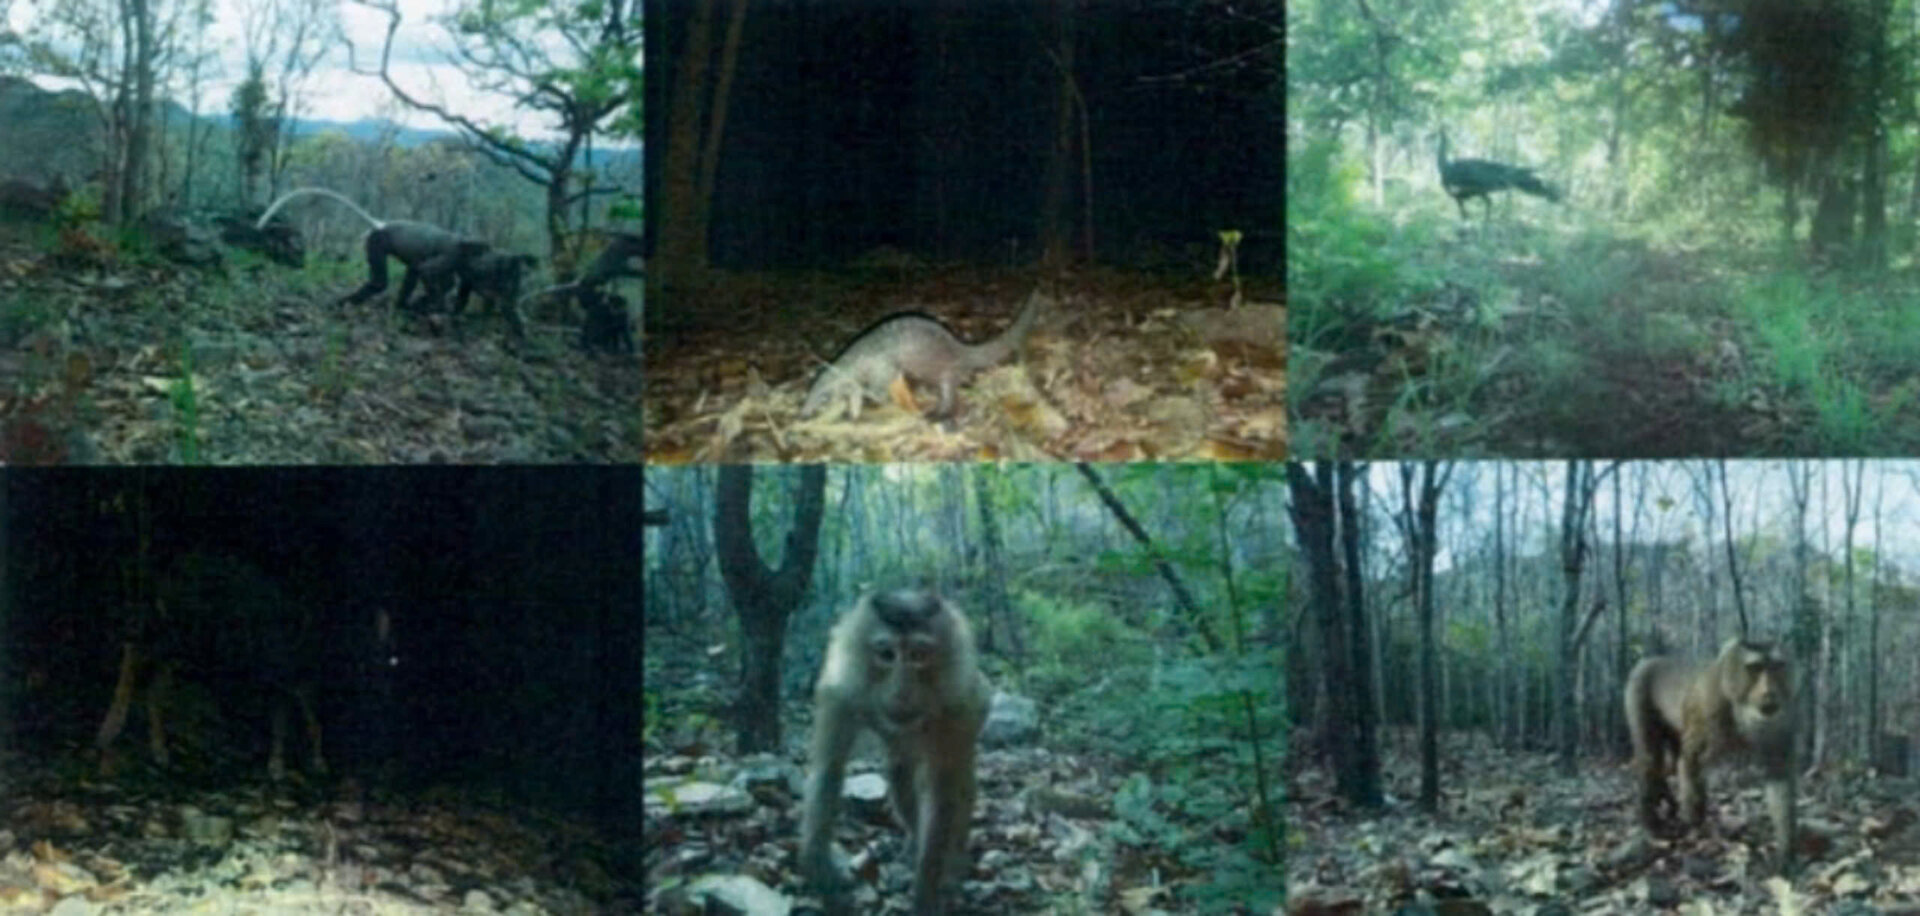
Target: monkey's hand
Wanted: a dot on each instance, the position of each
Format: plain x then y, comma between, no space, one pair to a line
826,874
1786,864
826,870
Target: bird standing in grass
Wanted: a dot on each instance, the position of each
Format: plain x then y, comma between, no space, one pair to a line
1466,178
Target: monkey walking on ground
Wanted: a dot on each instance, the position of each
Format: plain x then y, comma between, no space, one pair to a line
606,327
1695,714
902,665
433,257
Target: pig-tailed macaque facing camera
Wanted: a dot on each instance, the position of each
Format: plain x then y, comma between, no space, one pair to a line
902,665
1696,714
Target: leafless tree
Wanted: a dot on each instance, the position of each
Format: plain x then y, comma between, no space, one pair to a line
287,38
577,61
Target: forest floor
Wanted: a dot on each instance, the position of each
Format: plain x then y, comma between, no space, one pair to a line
1127,367
143,844
118,360
1515,836
1512,339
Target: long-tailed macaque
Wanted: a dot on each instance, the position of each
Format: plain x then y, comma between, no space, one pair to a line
432,256
902,665
1697,714
606,326
624,256
497,277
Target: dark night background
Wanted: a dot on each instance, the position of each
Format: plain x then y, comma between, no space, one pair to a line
925,126
513,595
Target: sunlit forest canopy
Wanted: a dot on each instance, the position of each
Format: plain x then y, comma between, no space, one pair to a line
1687,227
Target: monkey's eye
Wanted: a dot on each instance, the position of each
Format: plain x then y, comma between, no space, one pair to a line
886,652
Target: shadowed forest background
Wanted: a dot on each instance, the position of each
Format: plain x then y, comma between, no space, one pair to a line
479,744
821,165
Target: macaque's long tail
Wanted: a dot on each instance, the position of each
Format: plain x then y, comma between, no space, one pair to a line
296,192
551,290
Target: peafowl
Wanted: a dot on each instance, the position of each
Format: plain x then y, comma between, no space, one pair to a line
1465,178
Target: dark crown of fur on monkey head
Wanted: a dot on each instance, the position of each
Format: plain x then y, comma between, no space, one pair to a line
906,608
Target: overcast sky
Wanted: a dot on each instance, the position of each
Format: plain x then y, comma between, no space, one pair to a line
1671,509
335,93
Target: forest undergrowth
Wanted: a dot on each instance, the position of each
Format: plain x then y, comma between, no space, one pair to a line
1533,332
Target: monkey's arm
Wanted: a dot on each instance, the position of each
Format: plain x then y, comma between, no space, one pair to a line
948,795
834,727
622,258
377,250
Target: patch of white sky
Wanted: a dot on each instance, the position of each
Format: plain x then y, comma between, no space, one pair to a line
1587,14
1667,496
333,92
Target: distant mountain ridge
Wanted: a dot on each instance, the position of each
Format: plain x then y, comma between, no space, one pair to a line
371,129
39,127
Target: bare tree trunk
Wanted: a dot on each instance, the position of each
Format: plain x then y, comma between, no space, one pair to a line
1853,481
695,127
1324,514
1503,711
1419,511
1873,614
1053,232
1578,501
140,57
763,595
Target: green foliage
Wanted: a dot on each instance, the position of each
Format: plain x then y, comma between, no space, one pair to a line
21,315
627,208
186,409
1212,771
1472,637
602,76
1065,635
253,118
80,207
1204,704
1826,344
136,246
1240,883
649,714
333,376
1140,821
1341,261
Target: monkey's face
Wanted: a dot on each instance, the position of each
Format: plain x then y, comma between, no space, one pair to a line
905,671
1758,681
